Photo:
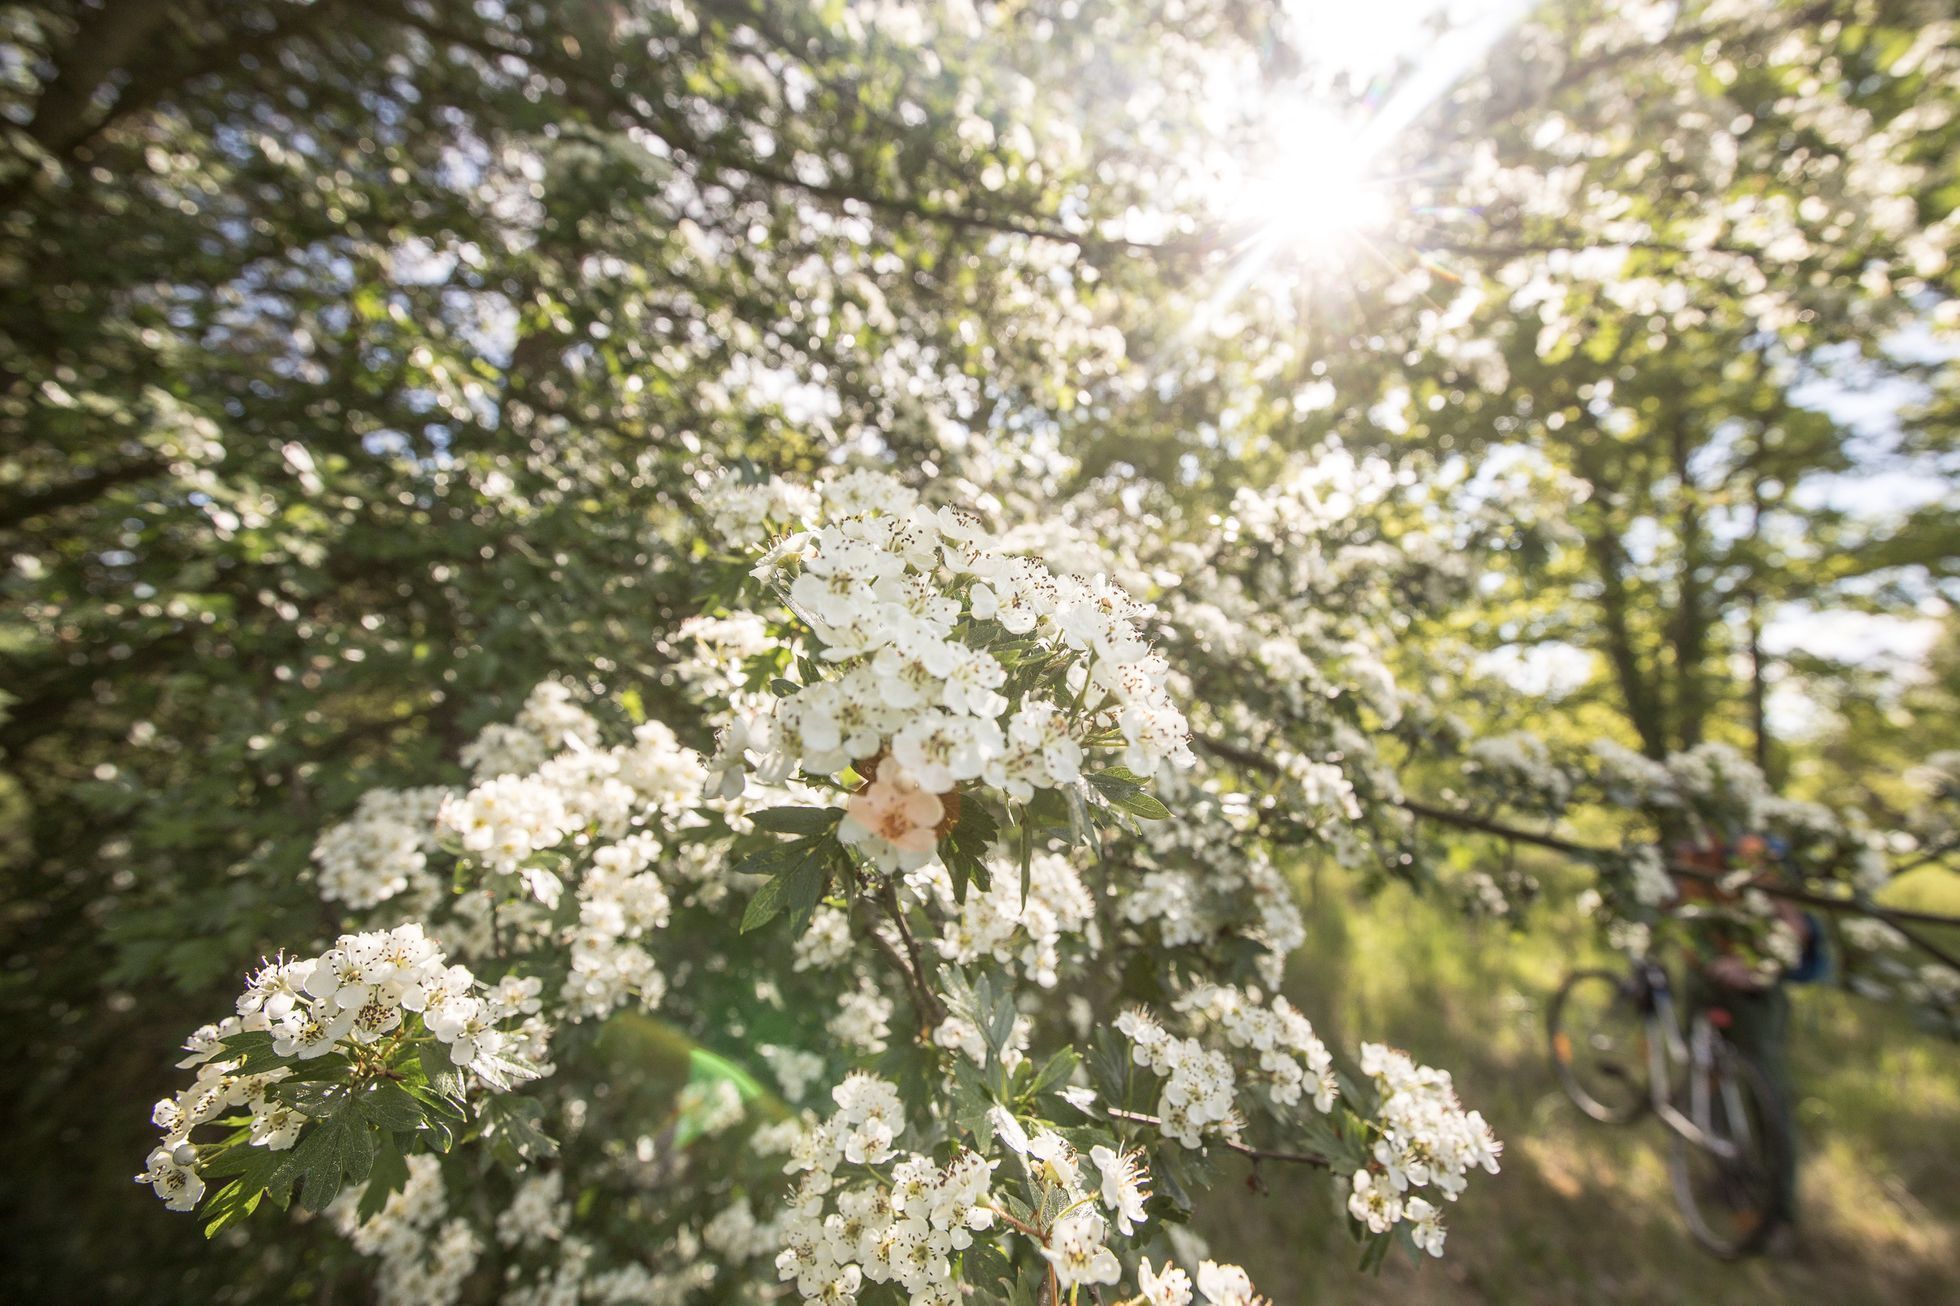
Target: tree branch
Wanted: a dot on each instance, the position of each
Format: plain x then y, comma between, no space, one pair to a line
677,135
1898,918
20,508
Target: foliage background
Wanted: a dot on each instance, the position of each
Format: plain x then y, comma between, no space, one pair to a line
358,359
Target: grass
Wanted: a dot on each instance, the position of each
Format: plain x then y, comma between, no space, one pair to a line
1583,1212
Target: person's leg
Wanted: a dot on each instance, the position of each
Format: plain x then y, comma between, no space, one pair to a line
1760,1031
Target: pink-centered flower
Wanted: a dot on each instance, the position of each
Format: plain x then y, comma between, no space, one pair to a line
897,811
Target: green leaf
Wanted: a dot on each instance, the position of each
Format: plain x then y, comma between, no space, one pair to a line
389,1175
445,1079
1026,831
510,1126
1083,828
390,1106
799,886
1055,1071
334,1153
964,849
972,1104
984,1265
502,1073
772,858
999,1027
255,1168
253,1051
798,889
797,820
1123,789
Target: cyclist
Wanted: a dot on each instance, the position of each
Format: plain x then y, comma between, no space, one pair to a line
1742,997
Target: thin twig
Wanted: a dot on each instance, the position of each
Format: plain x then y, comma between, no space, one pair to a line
925,1003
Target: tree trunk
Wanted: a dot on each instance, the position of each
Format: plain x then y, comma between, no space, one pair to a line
1642,699
98,49
1690,623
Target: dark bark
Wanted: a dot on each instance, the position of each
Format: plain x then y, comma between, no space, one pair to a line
22,508
100,47
1689,624
1637,688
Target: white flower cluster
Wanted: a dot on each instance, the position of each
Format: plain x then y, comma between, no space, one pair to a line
1885,971
1648,878
1197,1096
170,1169
537,1212
590,808
825,942
505,820
742,511
903,1227
1868,934
1936,984
424,1259
1207,878
863,1017
999,925
1218,1285
1731,800
711,1106
1630,777
737,1235
383,849
363,988
1426,1141
547,724
620,901
1483,895
1714,777
358,993
717,651
1292,1059
1107,1195
795,1069
1322,786
1522,765
893,592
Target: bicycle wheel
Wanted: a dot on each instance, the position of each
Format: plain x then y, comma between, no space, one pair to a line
1598,1034
1732,1204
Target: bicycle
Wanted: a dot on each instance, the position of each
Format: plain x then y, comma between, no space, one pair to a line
1620,1050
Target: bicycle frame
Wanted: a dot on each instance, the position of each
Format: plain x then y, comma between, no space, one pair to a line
1667,1048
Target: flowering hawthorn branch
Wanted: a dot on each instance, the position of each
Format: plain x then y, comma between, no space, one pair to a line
1314,1159
1898,918
589,872
1895,918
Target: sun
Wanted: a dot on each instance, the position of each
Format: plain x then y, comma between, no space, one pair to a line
1319,190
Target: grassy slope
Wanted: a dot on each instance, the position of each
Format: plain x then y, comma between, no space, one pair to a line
1582,1212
